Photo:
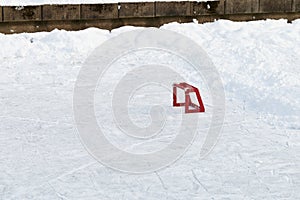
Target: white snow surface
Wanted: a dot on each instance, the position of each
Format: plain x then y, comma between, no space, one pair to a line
42,2
257,155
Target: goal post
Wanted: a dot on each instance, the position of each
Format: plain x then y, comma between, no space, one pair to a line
190,107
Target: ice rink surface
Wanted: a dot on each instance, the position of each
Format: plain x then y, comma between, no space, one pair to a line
257,155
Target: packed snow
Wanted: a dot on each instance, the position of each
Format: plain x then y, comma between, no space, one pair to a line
256,157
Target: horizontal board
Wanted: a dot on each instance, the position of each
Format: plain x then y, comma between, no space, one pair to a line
296,6
272,6
61,12
240,7
22,13
99,11
207,8
143,9
173,9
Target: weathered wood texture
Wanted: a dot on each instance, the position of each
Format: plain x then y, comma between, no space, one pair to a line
61,12
273,6
143,9
296,6
244,6
208,8
113,15
1,13
173,9
99,11
22,13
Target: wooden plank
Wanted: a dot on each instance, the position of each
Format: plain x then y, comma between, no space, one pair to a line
255,6
1,13
143,9
221,7
289,5
241,6
271,6
207,8
22,13
99,11
61,12
296,6
172,9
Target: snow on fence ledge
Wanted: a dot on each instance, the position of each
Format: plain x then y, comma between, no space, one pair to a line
112,15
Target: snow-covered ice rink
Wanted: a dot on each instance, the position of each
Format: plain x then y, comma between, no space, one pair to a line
256,157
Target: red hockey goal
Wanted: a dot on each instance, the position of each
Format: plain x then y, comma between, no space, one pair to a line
190,107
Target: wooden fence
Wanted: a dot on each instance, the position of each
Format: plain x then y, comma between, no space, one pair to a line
108,16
